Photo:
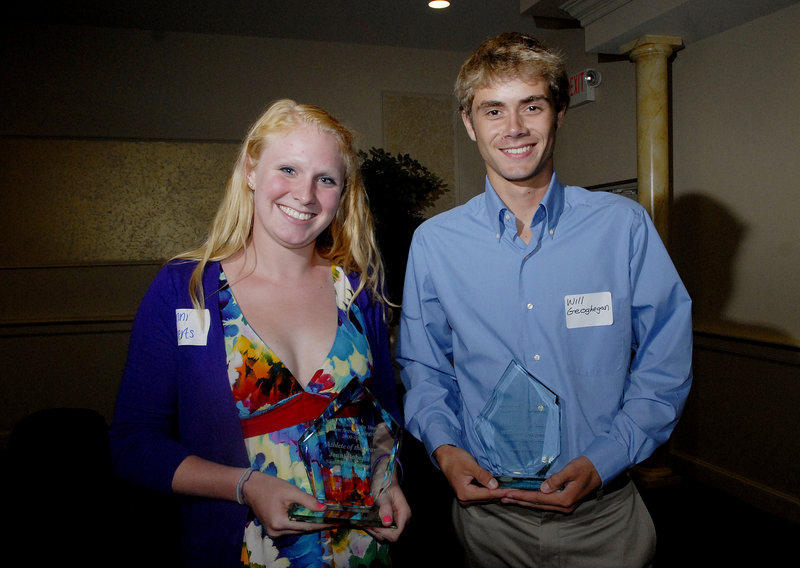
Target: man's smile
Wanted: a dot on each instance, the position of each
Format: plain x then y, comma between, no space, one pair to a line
518,151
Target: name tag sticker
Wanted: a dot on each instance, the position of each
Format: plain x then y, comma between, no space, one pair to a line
589,310
193,326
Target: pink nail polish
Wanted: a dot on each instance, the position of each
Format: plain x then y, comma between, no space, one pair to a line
387,519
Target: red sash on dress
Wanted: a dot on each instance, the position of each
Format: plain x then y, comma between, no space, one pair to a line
302,407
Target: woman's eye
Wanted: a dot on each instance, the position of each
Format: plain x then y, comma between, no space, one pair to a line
287,169
327,180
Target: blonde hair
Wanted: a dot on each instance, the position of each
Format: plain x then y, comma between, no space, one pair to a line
512,55
349,241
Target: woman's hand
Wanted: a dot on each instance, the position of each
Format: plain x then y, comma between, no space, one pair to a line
268,496
393,508
270,499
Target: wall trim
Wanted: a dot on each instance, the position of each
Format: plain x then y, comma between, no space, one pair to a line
67,326
752,492
749,345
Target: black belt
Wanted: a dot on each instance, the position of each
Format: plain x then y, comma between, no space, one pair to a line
619,482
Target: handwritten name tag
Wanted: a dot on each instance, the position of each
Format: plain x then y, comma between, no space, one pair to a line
588,310
193,326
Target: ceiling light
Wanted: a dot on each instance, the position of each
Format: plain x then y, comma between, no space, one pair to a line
438,4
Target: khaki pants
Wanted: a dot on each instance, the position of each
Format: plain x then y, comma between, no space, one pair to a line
614,531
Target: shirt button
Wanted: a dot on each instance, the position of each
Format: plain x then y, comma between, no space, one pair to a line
530,306
497,235
508,217
536,357
552,232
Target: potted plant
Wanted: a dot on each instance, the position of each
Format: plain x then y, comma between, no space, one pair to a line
400,189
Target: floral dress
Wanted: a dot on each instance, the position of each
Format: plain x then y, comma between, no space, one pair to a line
261,382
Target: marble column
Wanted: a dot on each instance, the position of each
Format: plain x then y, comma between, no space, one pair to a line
651,55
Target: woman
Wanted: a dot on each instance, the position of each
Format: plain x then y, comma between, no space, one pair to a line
289,269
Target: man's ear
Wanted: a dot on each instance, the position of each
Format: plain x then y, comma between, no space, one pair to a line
467,120
560,118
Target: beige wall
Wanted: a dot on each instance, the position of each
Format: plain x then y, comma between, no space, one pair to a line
736,145
154,85
597,143
114,147
736,142
736,179
63,329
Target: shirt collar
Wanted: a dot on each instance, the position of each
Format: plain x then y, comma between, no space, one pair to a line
552,203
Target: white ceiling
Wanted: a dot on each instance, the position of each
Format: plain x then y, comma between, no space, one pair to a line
408,23
610,25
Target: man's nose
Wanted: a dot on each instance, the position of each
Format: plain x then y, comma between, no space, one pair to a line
515,125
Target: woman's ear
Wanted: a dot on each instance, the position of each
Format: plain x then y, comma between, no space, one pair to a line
249,175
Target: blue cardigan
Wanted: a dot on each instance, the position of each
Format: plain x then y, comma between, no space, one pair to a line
176,401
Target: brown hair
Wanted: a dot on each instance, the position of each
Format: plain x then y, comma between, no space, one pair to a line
512,55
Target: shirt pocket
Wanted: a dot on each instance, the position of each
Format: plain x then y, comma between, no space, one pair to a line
598,350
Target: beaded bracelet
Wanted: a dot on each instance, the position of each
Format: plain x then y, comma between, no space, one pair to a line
396,460
243,479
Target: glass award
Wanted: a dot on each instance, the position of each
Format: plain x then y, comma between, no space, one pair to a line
349,454
520,429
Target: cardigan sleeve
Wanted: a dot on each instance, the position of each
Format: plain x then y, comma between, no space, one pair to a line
142,435
383,385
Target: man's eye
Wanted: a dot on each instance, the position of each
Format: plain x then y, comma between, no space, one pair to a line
287,169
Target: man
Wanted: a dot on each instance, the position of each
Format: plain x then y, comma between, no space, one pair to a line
496,280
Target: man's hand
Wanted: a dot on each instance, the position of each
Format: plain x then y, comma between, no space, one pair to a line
471,482
563,491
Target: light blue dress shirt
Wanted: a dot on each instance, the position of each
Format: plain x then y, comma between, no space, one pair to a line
476,296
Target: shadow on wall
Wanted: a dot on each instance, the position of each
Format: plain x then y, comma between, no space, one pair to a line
746,374
706,238
62,504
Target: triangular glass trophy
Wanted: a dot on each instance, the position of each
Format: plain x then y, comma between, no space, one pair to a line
520,429
349,453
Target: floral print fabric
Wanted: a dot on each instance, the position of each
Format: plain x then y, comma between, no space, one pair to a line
259,382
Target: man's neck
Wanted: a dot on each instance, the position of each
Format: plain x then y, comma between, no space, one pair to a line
522,199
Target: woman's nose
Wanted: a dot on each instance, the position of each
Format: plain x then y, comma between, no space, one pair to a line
303,191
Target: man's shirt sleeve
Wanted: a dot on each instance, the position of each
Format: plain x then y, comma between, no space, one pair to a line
661,366
432,399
